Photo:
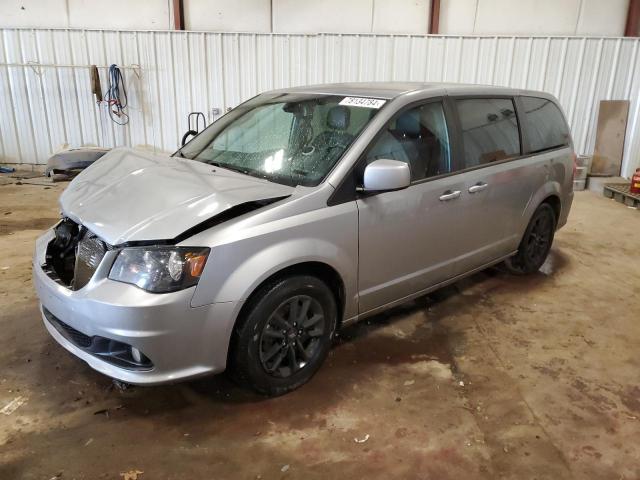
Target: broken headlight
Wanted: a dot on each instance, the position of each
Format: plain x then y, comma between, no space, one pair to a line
159,269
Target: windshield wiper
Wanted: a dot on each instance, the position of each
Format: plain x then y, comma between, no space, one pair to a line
233,168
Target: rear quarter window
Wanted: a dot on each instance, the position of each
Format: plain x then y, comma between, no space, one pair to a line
544,124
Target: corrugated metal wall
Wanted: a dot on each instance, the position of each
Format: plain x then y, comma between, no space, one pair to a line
45,106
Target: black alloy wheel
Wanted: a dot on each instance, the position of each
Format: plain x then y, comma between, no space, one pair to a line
283,334
536,242
291,336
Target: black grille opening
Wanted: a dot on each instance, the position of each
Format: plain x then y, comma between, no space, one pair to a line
111,351
73,255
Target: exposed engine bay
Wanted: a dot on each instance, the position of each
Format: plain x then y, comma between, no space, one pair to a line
73,255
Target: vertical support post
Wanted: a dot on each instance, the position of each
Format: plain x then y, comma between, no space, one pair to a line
178,14
434,17
633,19
271,16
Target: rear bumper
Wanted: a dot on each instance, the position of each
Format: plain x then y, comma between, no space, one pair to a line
181,341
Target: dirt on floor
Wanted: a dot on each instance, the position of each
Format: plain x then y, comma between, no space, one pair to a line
494,377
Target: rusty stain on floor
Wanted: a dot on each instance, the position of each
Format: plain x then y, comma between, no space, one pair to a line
494,377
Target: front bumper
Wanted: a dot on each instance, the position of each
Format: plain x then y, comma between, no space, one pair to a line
181,341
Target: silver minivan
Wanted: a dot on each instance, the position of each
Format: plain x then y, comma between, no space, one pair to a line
297,212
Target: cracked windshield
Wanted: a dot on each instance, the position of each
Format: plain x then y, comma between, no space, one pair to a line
291,139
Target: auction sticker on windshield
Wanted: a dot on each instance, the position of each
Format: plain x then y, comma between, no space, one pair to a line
363,102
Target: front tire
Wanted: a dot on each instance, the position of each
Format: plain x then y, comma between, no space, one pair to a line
536,242
283,335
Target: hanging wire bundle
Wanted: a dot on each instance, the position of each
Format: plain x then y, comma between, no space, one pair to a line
116,96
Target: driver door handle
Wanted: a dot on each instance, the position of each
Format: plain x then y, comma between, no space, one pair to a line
477,187
449,195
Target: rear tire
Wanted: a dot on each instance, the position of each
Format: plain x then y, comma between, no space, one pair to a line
283,335
536,242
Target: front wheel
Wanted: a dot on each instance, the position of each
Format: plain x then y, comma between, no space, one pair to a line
284,334
536,242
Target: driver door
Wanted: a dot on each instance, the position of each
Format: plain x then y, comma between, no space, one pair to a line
409,239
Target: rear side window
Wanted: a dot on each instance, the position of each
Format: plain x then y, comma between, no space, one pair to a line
489,130
544,123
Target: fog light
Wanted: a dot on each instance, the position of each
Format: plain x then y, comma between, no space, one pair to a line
136,355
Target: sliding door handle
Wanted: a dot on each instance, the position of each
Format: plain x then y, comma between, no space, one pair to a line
449,195
477,187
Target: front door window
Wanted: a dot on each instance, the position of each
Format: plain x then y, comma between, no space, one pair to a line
418,137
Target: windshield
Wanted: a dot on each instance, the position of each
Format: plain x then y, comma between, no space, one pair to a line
290,138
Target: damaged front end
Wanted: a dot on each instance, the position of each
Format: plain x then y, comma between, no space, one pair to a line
73,255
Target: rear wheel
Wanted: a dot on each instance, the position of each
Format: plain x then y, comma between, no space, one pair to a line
536,242
284,334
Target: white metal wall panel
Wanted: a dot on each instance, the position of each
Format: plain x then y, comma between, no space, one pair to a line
46,102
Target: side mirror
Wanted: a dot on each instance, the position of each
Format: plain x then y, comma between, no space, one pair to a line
384,175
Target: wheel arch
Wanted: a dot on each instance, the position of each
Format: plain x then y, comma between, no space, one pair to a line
549,193
325,272
554,201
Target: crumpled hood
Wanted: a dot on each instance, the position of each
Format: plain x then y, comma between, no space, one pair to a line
130,195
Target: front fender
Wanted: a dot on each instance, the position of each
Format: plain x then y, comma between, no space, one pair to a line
255,269
328,235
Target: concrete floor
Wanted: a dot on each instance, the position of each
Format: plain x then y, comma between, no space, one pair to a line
495,377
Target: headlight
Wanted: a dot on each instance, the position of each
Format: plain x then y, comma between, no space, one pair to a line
160,269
